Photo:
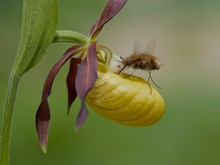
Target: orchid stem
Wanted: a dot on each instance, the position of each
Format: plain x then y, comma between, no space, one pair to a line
70,36
7,118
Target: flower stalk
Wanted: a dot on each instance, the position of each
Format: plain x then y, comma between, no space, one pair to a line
70,37
7,118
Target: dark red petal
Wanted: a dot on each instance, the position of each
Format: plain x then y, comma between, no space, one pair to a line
43,112
42,124
56,68
71,77
85,80
111,9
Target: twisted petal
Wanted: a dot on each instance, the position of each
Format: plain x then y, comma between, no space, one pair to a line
85,79
43,112
71,81
111,9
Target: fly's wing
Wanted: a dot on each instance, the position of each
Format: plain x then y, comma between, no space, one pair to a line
137,47
151,46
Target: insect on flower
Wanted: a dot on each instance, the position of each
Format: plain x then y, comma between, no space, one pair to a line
93,78
142,61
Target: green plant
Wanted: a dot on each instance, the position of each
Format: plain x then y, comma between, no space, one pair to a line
89,68
38,31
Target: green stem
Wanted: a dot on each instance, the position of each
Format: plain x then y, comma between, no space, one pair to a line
7,118
70,36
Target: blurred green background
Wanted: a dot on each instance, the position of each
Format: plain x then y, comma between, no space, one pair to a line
188,44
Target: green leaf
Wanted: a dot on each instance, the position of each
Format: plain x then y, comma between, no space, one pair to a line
39,24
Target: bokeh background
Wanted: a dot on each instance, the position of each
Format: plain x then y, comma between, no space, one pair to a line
187,34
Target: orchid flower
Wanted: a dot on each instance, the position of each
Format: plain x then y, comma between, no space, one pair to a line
82,75
93,77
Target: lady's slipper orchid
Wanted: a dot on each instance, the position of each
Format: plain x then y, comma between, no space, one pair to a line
123,98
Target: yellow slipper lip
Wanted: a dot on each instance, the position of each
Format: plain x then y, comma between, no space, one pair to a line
125,99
